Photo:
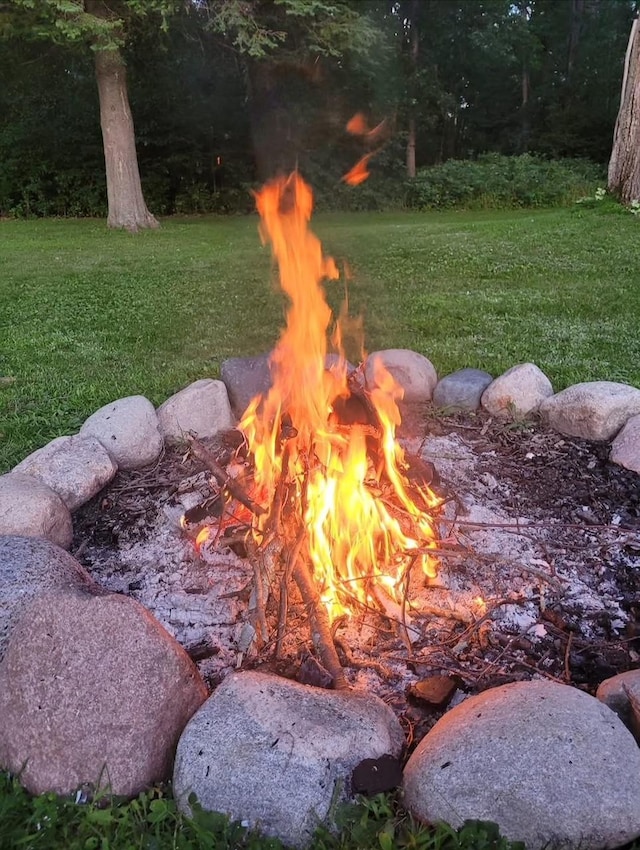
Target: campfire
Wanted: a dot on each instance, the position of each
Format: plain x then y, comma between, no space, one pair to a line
421,553
330,498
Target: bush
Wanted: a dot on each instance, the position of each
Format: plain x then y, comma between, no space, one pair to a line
494,181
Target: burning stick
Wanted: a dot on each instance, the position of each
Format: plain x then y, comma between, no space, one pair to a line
225,481
319,623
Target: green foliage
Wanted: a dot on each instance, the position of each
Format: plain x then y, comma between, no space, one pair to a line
152,822
101,25
292,27
149,822
501,182
380,823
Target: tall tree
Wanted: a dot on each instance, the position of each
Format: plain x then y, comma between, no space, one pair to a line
624,165
104,27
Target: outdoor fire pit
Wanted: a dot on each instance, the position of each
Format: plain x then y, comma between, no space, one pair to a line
397,542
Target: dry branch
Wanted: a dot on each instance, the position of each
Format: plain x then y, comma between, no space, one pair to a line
224,480
319,625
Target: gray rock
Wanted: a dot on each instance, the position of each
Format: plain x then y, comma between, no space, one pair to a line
412,371
128,429
461,390
550,765
93,691
625,449
614,693
245,378
30,566
595,410
31,509
76,468
517,392
202,407
279,754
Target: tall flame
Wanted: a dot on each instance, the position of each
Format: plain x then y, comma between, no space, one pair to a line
356,543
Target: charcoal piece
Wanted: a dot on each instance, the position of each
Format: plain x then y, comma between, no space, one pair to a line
311,672
435,691
212,507
352,410
421,472
375,776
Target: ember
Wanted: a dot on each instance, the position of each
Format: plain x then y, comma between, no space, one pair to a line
328,487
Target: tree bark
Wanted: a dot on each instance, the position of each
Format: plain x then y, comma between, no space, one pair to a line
413,52
624,165
127,207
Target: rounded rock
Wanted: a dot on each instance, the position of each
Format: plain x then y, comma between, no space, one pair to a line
550,765
93,691
461,390
614,692
517,392
625,449
593,410
128,429
202,408
279,754
30,566
245,378
412,371
74,467
29,508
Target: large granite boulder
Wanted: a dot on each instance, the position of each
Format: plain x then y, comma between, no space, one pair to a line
550,765
594,410
202,407
279,755
128,429
76,468
517,392
412,371
93,691
31,509
30,566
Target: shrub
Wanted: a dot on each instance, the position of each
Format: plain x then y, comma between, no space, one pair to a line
494,181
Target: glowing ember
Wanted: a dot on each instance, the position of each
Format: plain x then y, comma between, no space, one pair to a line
363,525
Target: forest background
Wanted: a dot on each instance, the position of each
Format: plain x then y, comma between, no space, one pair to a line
224,94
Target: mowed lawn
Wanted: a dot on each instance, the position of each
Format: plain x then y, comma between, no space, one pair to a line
88,315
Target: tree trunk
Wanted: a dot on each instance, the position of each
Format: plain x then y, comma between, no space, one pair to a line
624,165
411,130
127,207
411,148
577,14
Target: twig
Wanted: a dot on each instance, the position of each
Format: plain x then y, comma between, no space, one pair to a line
225,481
567,659
284,591
380,669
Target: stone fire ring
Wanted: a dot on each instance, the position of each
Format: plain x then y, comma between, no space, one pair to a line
95,693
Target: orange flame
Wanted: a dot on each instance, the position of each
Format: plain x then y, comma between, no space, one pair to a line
356,543
359,173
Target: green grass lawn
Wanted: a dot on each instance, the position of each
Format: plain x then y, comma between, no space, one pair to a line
88,315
